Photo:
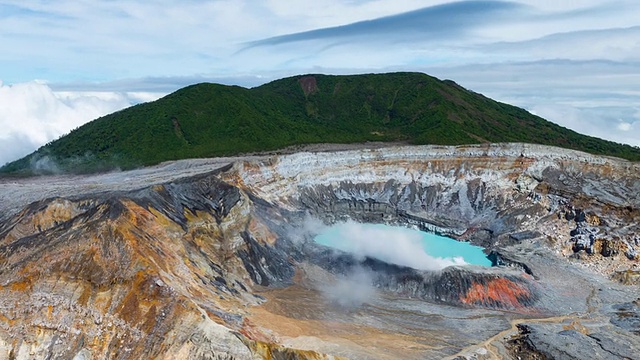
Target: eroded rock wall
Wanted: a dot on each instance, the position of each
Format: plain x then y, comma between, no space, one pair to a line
492,195
169,270
163,272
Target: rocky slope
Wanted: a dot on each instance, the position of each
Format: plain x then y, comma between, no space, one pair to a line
214,261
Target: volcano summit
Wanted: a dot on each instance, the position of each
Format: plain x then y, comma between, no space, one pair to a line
207,120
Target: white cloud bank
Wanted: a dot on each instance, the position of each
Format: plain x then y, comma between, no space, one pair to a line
606,123
32,114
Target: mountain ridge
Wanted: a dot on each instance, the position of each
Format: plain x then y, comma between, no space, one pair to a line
209,120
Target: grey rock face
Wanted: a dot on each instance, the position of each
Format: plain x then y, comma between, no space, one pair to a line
627,316
555,342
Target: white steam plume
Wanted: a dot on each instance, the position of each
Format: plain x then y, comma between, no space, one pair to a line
351,290
390,244
309,227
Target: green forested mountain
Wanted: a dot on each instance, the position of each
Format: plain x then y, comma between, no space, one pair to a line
206,120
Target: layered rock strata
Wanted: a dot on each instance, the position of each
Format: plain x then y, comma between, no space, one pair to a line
220,264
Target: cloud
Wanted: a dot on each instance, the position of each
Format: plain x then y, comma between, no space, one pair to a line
153,86
613,44
32,114
393,245
15,145
595,97
605,123
625,126
103,41
99,41
442,22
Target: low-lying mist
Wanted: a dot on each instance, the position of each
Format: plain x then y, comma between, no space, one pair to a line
41,163
350,290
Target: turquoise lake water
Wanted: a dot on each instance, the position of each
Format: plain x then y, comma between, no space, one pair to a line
401,246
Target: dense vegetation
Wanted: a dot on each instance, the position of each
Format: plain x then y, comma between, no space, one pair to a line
207,120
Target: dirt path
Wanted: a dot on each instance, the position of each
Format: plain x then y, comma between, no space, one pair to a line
493,352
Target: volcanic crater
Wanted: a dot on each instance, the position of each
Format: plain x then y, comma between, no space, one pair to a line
215,259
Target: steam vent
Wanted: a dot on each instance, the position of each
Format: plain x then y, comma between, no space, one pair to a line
216,258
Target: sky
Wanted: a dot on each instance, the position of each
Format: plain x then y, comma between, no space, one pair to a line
66,62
